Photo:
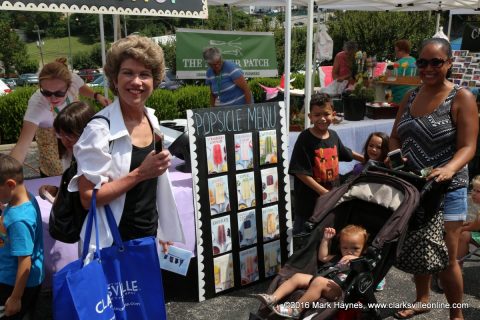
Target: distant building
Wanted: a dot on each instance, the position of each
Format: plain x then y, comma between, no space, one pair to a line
164,40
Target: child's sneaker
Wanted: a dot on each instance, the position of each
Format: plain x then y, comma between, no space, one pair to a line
380,285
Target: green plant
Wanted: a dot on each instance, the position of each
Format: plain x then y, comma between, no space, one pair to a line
163,101
191,97
257,91
362,92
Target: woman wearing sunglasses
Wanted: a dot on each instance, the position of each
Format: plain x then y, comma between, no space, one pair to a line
437,126
58,88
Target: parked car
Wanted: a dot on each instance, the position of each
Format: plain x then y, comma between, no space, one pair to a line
4,89
98,82
88,75
27,79
170,82
10,82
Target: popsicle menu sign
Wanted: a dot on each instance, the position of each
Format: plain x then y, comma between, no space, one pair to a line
242,203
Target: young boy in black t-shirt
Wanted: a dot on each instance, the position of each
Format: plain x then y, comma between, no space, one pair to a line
315,159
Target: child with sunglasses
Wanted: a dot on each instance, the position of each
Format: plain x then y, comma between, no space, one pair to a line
58,88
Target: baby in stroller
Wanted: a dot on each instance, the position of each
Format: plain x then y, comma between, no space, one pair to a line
352,243
383,203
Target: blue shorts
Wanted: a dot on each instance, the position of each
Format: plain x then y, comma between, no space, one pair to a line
455,205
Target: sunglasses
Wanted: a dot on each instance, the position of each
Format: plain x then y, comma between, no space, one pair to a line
435,63
58,94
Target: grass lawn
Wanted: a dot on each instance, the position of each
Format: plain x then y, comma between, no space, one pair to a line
56,48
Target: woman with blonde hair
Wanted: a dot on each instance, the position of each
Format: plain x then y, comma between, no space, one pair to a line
58,88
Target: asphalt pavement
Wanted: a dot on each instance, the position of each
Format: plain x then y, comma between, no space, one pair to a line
238,304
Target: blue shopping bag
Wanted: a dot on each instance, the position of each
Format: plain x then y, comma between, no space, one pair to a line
134,278
80,291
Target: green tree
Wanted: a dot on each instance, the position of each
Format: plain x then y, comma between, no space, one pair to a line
376,32
27,66
82,60
169,53
12,50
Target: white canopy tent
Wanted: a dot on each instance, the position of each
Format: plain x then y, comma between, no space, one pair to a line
359,5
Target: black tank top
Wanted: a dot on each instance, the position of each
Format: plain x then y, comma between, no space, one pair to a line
140,216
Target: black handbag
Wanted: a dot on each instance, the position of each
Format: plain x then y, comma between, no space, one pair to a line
67,214
424,250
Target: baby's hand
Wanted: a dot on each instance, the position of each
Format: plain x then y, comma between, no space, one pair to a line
346,259
329,233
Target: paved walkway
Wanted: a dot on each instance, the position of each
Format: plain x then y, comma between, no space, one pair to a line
399,288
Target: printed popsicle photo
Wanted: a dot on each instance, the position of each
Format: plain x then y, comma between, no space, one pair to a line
268,147
247,228
272,258
223,272
216,154
218,195
243,151
269,185
249,266
221,235
246,190
270,222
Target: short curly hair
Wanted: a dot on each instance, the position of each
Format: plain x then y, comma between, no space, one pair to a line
138,48
321,100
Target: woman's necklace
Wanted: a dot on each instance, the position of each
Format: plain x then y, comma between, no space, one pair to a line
55,110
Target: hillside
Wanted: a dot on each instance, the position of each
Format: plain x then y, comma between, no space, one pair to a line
54,48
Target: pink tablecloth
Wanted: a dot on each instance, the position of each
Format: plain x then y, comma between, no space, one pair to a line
58,254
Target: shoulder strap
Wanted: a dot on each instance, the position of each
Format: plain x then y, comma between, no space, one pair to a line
98,116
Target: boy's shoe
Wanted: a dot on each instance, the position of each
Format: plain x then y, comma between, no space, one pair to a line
380,285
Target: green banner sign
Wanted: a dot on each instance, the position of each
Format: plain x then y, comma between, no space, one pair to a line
254,52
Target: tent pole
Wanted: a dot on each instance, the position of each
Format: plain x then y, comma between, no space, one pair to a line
288,45
437,26
449,24
308,64
104,59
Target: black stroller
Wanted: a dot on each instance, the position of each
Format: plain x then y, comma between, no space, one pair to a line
383,203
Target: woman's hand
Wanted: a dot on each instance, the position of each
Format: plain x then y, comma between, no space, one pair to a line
165,245
441,174
154,165
104,101
47,192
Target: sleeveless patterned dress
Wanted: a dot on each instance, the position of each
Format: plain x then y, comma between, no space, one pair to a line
430,140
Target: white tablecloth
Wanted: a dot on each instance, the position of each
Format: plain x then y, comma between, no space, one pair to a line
353,135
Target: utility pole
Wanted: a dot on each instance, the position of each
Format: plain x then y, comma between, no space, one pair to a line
39,42
69,42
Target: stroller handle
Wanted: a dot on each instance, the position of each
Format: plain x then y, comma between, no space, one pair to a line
427,185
